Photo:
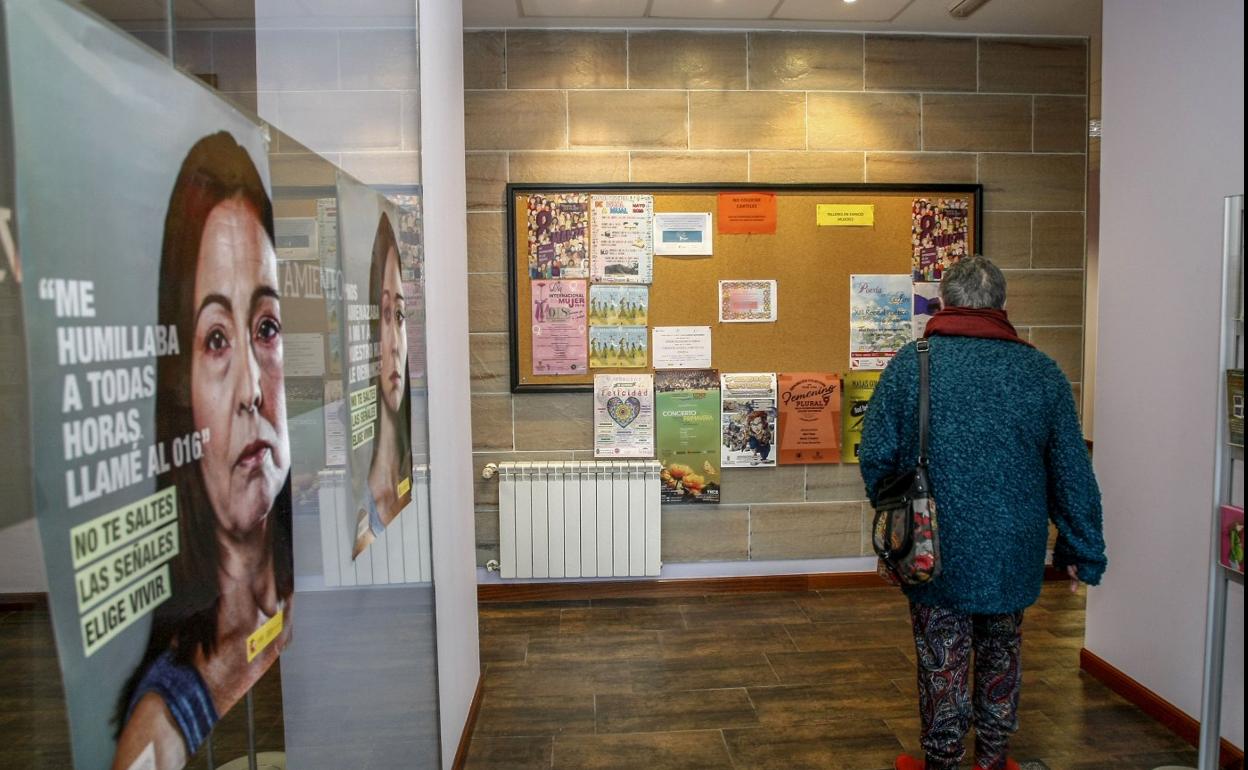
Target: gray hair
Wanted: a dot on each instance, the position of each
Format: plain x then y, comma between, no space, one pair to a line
973,282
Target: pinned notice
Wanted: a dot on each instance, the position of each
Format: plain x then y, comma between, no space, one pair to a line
741,213
845,214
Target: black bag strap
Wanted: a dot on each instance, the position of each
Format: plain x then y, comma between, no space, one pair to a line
922,347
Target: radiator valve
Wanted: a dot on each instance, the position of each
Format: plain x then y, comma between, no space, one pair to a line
491,565
489,470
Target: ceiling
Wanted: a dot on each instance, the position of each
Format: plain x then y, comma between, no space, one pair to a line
1004,17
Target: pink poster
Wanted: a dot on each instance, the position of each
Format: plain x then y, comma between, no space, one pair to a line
559,327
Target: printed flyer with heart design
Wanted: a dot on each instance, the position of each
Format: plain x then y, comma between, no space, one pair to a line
624,415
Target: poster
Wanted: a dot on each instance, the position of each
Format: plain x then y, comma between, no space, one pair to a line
1235,406
926,304
810,418
747,420
623,238
153,321
559,327
617,347
687,441
623,415
558,227
682,235
335,423
859,386
1232,523
410,230
938,235
747,301
743,213
304,354
682,347
879,319
377,382
619,305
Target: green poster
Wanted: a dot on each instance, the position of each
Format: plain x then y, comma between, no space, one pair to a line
858,389
687,402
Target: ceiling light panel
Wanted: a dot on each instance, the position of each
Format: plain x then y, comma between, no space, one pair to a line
754,10
585,9
836,11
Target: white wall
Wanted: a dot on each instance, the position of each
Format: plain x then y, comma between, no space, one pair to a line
450,434
1172,147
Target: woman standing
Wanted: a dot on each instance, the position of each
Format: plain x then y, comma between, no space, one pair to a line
1006,453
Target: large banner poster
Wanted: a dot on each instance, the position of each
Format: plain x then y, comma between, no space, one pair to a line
153,319
378,392
14,411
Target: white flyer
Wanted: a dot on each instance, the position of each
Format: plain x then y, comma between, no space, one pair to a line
624,415
681,347
686,234
622,247
304,354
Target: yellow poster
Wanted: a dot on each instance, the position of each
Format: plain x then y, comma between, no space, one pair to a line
858,389
845,214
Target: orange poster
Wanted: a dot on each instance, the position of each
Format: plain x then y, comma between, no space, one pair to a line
810,418
747,212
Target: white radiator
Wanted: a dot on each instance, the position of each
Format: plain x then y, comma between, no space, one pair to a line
579,519
402,554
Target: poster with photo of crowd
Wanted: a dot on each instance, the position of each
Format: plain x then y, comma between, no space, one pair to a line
558,235
939,233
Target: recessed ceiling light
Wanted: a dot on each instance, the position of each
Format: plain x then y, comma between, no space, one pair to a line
850,2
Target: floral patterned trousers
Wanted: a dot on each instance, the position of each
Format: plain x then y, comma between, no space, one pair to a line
944,640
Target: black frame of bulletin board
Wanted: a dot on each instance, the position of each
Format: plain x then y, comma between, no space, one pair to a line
518,188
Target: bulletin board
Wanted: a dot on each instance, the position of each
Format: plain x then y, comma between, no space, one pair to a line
810,263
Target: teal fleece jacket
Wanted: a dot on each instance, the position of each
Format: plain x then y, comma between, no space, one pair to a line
1006,453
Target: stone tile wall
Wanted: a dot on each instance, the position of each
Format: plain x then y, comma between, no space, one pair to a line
674,106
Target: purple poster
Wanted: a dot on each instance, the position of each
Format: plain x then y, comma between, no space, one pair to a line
559,327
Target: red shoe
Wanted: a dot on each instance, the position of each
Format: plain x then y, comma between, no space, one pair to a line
1010,764
907,762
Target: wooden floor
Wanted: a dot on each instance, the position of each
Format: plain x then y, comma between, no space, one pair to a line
794,680
788,680
34,731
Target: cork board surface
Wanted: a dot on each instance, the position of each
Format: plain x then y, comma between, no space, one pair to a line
810,264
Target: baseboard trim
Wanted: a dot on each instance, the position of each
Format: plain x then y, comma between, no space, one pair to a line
615,589
734,584
37,600
1157,707
470,725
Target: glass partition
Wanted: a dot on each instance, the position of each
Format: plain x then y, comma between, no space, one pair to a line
357,684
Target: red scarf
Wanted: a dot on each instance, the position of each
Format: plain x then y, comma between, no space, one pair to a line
973,322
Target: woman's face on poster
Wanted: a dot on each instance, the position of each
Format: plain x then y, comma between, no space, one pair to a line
393,334
237,388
